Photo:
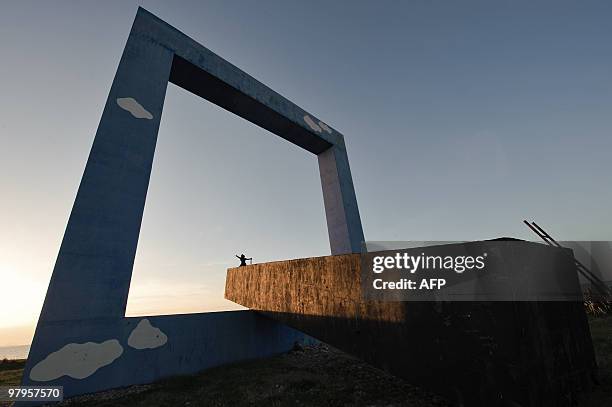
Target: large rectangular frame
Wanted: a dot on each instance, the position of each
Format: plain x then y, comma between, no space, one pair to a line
94,266
87,294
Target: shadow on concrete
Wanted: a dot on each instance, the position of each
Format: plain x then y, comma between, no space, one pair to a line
474,353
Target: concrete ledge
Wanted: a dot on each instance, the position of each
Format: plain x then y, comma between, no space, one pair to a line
477,353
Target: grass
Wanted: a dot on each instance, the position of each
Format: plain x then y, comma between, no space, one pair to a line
601,332
315,376
10,371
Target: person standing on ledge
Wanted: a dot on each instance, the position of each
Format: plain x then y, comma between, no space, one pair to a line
243,259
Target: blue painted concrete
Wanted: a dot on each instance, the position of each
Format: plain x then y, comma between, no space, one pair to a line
93,269
343,221
195,342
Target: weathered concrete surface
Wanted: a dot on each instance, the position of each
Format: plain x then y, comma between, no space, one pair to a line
477,353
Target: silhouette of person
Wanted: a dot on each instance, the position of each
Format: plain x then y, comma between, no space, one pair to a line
243,259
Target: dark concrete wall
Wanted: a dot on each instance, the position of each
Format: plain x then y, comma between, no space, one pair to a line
478,353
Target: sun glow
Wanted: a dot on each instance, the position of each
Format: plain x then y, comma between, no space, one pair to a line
20,304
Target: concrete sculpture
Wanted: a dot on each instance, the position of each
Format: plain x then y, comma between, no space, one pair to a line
83,316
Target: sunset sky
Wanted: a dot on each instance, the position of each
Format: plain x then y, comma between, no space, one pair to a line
461,119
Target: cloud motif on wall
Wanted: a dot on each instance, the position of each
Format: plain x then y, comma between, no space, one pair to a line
135,108
146,336
77,360
312,124
325,127
318,127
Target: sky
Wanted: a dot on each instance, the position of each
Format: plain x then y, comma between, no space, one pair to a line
461,119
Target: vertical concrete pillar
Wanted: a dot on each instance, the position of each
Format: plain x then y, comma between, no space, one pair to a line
341,211
92,273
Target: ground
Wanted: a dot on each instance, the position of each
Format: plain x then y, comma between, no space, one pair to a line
313,376
10,371
601,332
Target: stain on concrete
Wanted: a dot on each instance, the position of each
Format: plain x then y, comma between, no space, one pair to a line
325,127
311,123
135,108
146,336
76,360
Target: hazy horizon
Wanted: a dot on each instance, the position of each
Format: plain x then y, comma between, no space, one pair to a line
460,119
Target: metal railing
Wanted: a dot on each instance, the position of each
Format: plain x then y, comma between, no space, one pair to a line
595,281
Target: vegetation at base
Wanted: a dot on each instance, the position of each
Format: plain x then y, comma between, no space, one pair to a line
597,305
10,371
312,376
601,332
10,374
11,364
